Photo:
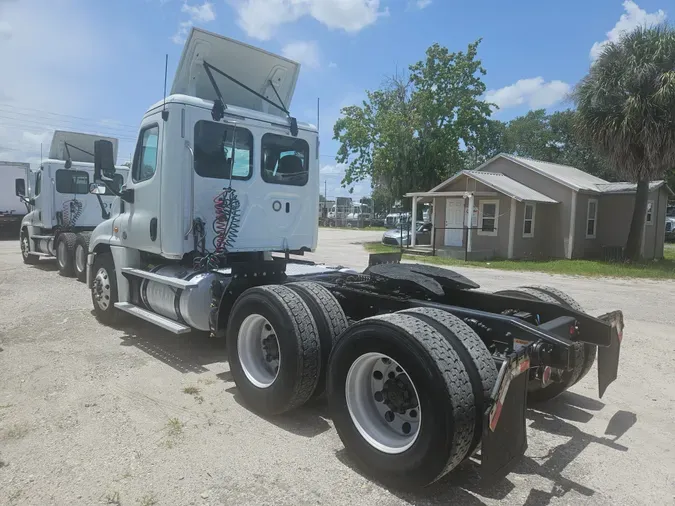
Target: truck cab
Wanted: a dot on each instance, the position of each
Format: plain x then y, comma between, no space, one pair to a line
221,172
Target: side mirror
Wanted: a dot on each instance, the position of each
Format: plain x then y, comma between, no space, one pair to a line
104,160
20,187
97,189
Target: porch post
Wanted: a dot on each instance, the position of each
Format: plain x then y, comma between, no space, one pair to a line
470,224
512,227
413,233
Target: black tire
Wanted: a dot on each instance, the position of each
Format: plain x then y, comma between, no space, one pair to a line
330,320
473,353
81,241
535,392
299,348
24,242
66,258
590,350
445,399
104,285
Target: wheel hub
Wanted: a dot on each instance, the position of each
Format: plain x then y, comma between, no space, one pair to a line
101,288
383,403
398,394
258,351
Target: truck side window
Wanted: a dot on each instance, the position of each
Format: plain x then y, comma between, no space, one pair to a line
38,183
213,151
285,160
145,160
72,181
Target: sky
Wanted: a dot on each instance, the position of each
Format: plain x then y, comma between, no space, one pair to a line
96,66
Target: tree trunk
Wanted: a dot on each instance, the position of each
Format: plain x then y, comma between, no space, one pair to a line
635,237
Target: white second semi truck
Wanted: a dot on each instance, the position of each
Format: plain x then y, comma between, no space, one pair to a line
63,212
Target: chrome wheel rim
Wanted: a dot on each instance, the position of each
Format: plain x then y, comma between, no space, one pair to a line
101,289
79,258
61,253
258,350
24,246
383,403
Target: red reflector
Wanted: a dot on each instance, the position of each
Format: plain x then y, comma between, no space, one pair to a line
572,330
546,377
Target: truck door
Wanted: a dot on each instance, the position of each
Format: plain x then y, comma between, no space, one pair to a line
41,198
138,225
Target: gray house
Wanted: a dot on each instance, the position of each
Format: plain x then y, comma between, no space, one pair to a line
524,208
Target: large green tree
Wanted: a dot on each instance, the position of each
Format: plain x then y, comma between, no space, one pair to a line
418,128
626,107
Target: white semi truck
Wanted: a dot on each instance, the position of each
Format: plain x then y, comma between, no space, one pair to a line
421,370
63,212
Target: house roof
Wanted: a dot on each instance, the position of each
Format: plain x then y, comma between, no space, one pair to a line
628,187
564,174
509,187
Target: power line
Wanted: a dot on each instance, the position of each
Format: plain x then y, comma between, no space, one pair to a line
134,127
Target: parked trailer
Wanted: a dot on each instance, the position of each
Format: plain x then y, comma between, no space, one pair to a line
63,212
420,368
12,210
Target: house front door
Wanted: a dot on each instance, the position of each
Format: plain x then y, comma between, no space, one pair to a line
454,221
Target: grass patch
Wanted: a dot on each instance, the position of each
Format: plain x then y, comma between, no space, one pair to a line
113,498
191,390
174,427
365,229
652,269
147,500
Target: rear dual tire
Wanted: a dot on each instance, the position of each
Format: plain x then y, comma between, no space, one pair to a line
65,253
279,339
438,370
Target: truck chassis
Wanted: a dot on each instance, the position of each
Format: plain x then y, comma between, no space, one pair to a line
420,369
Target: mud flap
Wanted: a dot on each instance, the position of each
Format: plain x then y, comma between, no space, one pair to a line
608,356
504,431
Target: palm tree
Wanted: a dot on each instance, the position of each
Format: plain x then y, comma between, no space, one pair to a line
626,108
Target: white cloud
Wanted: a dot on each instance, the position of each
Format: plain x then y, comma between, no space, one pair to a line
332,65
338,168
534,92
200,13
305,53
182,32
630,20
260,19
422,4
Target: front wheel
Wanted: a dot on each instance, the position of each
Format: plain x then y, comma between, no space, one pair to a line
24,241
104,288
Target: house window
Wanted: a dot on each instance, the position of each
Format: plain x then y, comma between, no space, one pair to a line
650,215
591,218
488,217
528,220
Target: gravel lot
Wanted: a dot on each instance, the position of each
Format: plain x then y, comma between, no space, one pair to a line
94,415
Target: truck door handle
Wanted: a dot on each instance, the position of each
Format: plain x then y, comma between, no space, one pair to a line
153,229
288,207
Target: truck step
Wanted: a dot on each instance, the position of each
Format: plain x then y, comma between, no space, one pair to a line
153,318
165,280
40,254
42,237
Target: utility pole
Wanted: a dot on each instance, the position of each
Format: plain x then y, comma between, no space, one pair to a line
325,190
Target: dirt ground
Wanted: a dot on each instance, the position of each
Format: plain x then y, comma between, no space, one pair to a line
137,416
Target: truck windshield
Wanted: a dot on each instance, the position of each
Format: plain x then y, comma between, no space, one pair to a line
72,181
213,151
285,160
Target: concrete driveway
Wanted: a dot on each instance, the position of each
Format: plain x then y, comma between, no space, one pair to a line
95,415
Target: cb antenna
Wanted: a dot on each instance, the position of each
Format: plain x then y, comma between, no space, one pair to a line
165,113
